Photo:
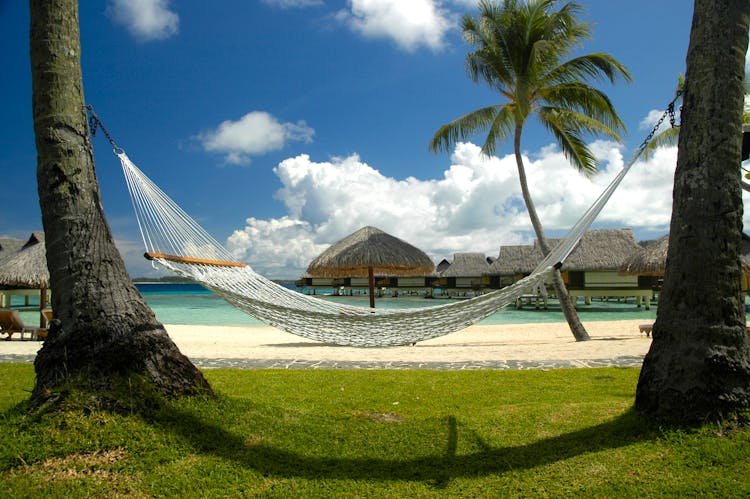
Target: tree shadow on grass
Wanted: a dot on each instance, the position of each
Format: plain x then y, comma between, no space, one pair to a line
435,470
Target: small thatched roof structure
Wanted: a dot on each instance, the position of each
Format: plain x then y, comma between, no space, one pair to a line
652,258
9,247
442,266
517,259
604,249
371,247
467,265
27,266
601,249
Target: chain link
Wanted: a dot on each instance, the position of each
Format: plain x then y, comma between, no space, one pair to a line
668,112
95,122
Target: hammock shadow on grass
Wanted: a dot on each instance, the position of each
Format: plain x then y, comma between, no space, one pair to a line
434,470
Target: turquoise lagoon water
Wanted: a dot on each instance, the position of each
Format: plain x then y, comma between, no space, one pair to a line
193,304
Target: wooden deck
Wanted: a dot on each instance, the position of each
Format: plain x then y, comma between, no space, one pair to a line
642,296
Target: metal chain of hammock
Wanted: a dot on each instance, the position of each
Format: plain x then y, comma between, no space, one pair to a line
669,112
95,122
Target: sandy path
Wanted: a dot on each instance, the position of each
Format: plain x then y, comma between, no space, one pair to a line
548,341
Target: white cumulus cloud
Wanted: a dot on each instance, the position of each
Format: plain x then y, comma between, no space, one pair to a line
410,24
651,119
145,19
255,133
474,206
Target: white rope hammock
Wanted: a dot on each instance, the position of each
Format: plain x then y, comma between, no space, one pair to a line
176,241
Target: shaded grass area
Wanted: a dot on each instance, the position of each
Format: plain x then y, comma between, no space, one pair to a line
371,434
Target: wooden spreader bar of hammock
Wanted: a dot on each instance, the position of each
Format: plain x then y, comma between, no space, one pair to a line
196,261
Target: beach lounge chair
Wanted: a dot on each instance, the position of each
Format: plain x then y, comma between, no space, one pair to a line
48,317
11,323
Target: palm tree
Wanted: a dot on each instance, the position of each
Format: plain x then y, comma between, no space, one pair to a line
521,49
104,335
698,365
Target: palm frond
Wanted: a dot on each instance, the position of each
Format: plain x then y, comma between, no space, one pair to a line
582,98
568,133
462,128
521,49
501,128
596,66
580,123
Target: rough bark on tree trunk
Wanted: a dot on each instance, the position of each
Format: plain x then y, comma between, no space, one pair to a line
698,366
102,328
566,304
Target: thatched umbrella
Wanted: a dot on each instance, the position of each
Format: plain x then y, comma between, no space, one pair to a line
369,251
27,268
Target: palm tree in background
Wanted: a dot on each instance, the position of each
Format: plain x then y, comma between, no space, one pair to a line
521,50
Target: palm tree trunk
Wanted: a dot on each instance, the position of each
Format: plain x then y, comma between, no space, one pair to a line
103,330
566,304
698,366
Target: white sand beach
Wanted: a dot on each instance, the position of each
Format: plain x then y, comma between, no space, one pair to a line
530,342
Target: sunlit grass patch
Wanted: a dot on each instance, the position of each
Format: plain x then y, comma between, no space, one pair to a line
371,434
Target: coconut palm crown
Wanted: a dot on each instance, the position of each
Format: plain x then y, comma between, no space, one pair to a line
520,51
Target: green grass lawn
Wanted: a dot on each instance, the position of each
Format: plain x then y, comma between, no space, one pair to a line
310,433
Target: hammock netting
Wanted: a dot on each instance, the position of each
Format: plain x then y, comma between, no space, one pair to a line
177,242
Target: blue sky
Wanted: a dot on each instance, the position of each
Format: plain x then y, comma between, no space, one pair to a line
284,125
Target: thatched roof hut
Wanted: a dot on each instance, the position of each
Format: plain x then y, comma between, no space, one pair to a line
442,266
467,265
651,260
27,266
516,260
9,247
602,249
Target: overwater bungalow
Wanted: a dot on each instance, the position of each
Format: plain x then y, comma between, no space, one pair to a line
592,269
467,271
649,263
442,266
513,263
